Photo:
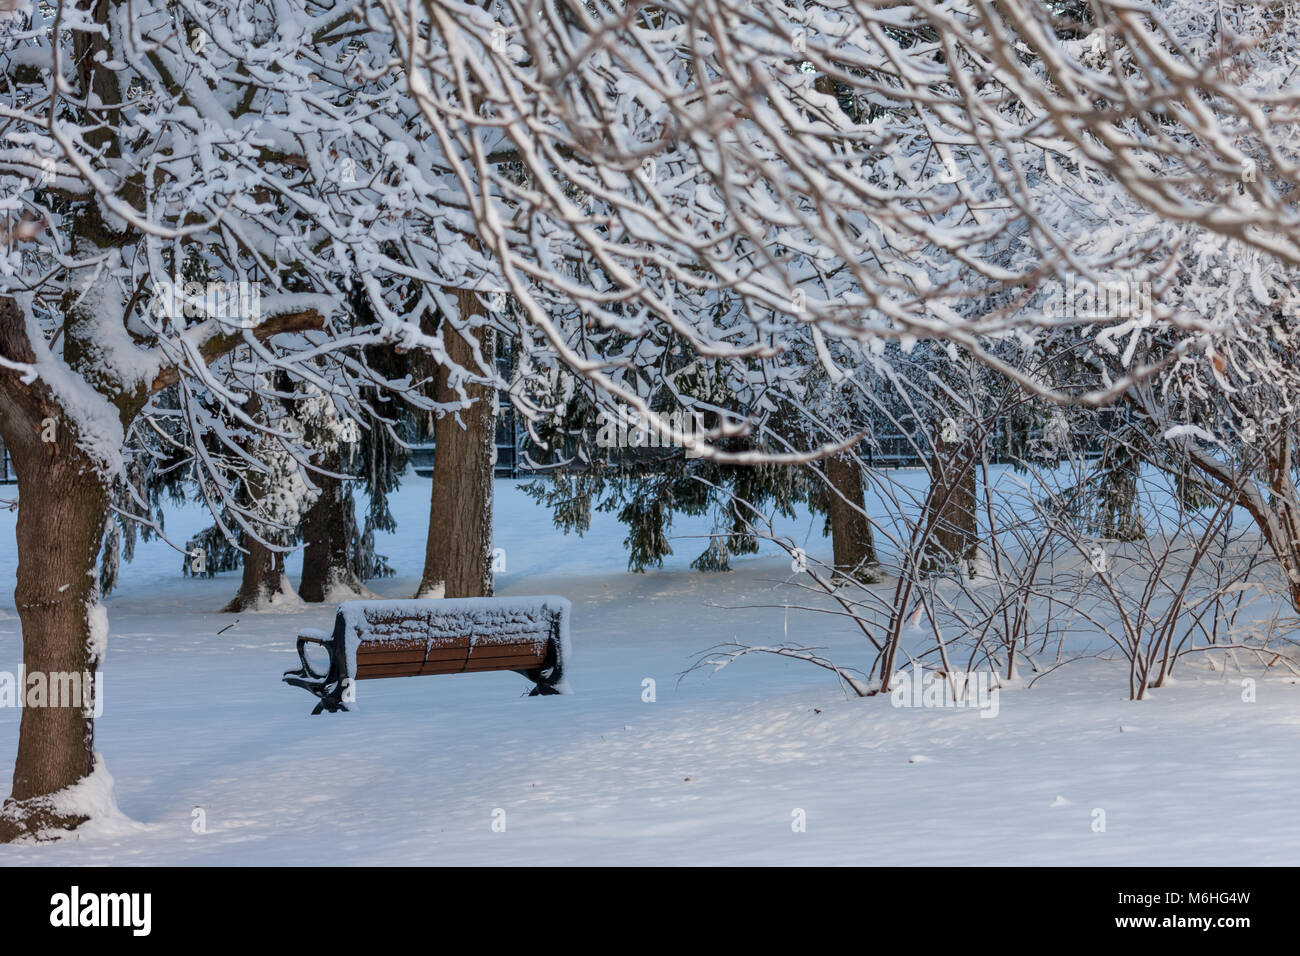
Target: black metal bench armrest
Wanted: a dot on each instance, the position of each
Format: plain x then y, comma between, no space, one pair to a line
329,687
313,636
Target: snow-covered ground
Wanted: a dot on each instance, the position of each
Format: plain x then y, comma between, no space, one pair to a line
717,769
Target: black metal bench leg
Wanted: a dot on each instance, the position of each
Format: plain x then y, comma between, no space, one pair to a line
547,676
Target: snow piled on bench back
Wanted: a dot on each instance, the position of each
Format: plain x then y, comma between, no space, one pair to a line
494,620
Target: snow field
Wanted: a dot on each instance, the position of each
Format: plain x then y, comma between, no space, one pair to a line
216,762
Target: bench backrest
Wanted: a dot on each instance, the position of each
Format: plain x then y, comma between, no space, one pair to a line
423,627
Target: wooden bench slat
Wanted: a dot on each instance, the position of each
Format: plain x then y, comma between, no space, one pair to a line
396,640
387,670
505,663
529,643
527,640
504,660
443,641
448,653
367,657
443,667
372,654
520,662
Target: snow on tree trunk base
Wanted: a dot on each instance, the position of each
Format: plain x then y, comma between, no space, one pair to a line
268,594
345,586
85,805
432,591
36,820
869,573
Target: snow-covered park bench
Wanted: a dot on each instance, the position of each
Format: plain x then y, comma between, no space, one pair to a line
374,639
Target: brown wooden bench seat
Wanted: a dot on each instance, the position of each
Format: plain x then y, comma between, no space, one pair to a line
377,639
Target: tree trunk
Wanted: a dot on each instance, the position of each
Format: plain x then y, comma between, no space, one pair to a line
263,577
458,551
329,530
950,504
63,501
1119,508
852,541
62,505
1282,532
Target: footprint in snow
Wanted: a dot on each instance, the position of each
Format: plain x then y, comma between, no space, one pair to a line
1060,801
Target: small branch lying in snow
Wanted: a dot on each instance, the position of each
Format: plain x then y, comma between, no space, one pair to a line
732,651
